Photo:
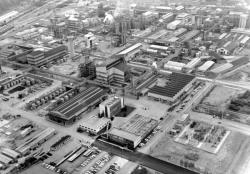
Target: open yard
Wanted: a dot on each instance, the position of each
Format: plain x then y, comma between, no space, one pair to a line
195,159
242,74
219,96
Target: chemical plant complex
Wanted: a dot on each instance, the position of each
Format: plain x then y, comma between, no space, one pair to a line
125,87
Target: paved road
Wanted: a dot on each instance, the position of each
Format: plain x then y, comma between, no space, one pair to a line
143,159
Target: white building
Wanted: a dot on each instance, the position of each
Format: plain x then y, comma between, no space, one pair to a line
95,125
194,62
111,106
173,25
243,20
206,66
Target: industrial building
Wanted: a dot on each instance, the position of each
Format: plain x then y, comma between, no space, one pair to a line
178,84
176,66
95,125
206,66
133,131
69,111
111,106
193,63
36,141
18,80
128,53
115,72
173,25
40,58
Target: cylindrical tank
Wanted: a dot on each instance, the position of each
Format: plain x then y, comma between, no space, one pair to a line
62,99
66,97
42,101
32,81
57,92
46,98
38,102
70,95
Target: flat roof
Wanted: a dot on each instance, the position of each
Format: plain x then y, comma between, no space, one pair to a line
125,135
136,128
111,101
177,82
95,123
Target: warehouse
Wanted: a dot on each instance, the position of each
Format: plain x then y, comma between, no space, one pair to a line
133,131
10,153
68,112
95,125
173,25
128,53
36,141
39,58
6,160
171,65
189,35
194,62
206,66
177,84
222,69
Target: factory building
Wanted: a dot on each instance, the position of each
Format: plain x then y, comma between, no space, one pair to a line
184,18
115,73
169,17
111,106
40,58
133,131
206,66
95,125
173,25
69,111
88,70
129,52
178,84
74,24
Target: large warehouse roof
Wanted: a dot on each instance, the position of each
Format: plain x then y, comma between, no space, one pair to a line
135,129
176,83
72,107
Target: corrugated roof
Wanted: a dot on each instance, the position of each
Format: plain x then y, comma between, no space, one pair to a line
176,83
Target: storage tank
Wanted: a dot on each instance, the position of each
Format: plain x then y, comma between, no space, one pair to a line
66,97
33,106
57,92
46,98
32,81
28,83
62,99
38,102
50,97
70,95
